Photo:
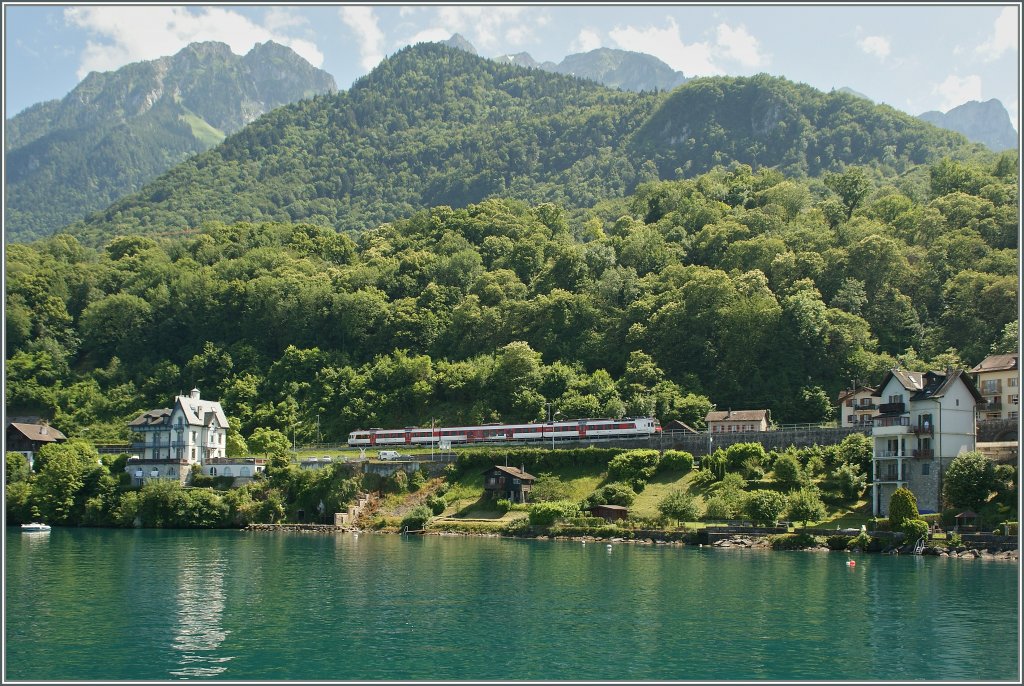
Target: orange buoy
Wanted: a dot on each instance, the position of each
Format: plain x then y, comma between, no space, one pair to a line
851,563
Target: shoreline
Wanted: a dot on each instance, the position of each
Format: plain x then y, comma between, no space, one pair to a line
739,541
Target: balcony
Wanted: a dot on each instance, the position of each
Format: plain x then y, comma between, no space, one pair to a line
924,454
865,406
991,406
892,408
887,455
924,430
890,426
889,478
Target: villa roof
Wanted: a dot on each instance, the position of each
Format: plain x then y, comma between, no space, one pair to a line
153,418
38,432
997,363
736,415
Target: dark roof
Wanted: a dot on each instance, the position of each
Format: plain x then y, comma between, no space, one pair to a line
912,381
936,384
37,432
996,363
736,415
513,471
676,425
153,418
607,507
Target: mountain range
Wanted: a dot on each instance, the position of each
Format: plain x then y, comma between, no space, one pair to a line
434,124
986,122
118,130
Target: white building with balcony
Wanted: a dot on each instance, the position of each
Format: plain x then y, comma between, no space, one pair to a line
173,439
924,420
998,379
857,406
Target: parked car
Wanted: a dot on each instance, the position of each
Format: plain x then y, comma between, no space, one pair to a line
389,455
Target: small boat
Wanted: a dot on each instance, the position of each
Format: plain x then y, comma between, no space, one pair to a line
35,526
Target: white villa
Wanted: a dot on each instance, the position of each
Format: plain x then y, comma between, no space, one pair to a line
191,432
925,420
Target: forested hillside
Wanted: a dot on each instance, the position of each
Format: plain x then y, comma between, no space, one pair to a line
117,130
433,125
740,288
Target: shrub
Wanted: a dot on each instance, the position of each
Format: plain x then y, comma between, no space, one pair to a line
793,542
679,506
545,514
902,506
753,469
397,482
879,524
861,541
720,507
954,541
765,506
437,504
676,460
715,463
838,542
416,481
548,488
969,480
849,479
805,505
787,470
635,467
914,529
739,454
704,477
611,494
503,505
416,519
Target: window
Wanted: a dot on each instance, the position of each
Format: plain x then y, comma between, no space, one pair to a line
1013,399
1012,382
193,436
849,402
896,398
925,468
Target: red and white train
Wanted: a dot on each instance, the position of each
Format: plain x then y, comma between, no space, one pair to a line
572,429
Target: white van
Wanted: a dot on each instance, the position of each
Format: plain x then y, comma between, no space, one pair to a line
388,455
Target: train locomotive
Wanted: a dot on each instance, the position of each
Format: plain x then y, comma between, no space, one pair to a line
573,429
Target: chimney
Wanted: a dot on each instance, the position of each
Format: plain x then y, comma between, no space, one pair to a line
194,394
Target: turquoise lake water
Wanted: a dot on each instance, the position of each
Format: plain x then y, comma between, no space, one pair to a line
102,605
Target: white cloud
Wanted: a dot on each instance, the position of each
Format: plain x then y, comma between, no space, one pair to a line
363,22
124,34
1004,35
957,90
737,44
432,35
875,45
278,18
489,28
585,42
694,59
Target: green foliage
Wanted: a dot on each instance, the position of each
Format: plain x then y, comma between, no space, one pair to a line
969,480
738,455
838,542
548,487
902,507
503,505
793,541
861,541
914,529
849,479
16,467
787,470
765,507
954,540
416,519
416,481
635,467
805,505
675,461
679,506
545,514
437,504
610,494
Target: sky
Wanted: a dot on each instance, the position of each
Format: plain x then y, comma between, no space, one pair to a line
915,58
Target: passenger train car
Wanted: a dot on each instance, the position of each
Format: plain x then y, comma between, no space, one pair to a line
573,429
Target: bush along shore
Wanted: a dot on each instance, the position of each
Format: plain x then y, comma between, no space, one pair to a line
740,496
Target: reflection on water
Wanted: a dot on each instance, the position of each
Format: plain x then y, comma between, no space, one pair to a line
198,631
